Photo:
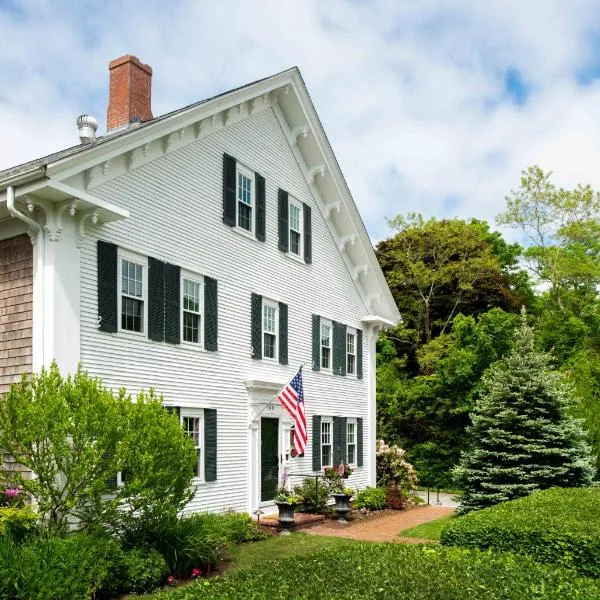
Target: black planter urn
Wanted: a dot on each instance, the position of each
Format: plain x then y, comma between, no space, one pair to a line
342,506
286,516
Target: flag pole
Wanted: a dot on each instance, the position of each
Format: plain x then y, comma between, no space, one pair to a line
275,396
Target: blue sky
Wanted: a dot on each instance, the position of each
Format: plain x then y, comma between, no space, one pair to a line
432,106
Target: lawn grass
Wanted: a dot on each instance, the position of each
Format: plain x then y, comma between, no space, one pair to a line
246,556
427,531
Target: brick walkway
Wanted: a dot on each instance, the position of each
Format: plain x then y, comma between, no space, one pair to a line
385,527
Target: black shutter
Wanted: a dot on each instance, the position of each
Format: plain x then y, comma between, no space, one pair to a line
316,343
256,325
110,482
283,333
210,444
307,234
211,315
284,230
261,209
359,354
316,443
107,286
173,410
229,190
172,304
339,440
359,442
156,299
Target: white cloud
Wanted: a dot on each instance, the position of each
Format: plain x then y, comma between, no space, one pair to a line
410,93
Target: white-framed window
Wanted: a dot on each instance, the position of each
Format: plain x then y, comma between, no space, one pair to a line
192,308
326,442
133,291
350,352
270,312
325,345
295,225
245,199
351,441
192,422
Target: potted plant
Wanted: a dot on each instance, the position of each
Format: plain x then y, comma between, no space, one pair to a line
286,502
342,503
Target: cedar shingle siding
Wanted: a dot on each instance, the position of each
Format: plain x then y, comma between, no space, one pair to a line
16,302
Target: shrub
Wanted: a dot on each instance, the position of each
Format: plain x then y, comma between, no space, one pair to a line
143,569
187,541
395,498
553,526
370,498
315,500
393,469
391,571
18,523
88,435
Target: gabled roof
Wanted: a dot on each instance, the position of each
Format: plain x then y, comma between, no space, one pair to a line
86,166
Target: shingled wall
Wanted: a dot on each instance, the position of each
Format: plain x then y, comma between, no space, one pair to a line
16,309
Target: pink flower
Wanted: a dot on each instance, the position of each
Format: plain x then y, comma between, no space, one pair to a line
171,580
11,492
196,572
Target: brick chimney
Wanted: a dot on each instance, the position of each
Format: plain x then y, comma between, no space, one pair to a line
129,97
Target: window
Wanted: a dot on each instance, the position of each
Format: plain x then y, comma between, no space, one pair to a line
326,427
325,346
133,293
245,197
193,426
295,216
351,353
270,327
351,441
191,303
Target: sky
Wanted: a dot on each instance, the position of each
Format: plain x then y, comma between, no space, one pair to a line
433,106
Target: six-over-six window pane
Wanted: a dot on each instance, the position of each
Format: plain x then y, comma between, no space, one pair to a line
244,200
351,441
325,346
326,443
295,229
132,304
192,427
191,311
269,331
351,353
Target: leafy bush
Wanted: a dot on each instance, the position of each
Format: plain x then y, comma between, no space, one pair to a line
393,469
88,435
143,569
18,523
315,500
553,526
194,540
391,571
370,498
395,498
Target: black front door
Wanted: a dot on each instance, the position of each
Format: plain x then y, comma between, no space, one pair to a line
269,458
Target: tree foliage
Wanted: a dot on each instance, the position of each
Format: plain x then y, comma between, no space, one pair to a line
75,435
523,436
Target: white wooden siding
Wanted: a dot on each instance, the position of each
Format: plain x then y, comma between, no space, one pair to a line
175,206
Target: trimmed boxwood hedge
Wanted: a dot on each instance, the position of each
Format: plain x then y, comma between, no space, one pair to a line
392,571
560,526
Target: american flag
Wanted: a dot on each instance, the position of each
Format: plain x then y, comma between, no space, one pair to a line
292,399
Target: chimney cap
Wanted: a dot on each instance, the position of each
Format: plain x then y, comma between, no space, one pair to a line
117,62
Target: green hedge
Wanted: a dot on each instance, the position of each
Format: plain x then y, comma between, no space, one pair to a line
392,571
559,526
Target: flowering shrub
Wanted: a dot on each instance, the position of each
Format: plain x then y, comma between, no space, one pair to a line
18,523
392,469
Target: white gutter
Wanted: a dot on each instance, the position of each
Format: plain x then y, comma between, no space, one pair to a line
10,204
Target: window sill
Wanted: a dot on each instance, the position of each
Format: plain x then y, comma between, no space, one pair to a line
245,233
296,258
140,335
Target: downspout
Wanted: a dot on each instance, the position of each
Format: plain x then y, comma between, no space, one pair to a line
37,350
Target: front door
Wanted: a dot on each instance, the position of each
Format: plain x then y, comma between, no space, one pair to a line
269,458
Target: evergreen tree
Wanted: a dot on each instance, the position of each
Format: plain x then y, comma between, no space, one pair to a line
522,436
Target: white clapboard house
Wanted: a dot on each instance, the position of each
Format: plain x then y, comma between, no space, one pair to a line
207,253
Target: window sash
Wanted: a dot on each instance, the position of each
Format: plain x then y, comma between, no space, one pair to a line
295,221
351,353
351,441
245,199
193,427
191,309
326,443
132,294
270,330
325,346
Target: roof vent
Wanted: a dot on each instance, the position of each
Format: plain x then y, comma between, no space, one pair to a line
87,126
